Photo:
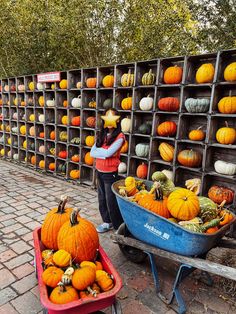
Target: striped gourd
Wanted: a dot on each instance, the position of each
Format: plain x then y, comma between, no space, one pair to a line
148,78
127,79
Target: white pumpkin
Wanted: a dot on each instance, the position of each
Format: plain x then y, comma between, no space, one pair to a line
146,103
39,86
2,140
21,88
9,153
76,102
122,168
126,125
14,116
50,102
41,118
42,149
169,174
224,167
15,156
14,129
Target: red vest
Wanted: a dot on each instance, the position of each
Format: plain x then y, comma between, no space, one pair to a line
109,164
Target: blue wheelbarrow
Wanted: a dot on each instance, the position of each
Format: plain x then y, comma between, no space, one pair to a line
154,231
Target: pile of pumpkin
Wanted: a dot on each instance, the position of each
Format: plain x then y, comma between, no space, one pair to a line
71,269
179,205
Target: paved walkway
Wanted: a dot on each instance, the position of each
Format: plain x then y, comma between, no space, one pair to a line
25,198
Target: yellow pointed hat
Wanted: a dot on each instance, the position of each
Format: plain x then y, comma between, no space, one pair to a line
110,119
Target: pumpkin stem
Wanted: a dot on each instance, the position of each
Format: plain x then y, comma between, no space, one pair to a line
226,123
230,93
62,286
150,71
62,204
222,204
73,217
199,127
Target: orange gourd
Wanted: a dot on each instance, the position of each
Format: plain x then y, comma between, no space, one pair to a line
166,151
142,171
196,135
173,75
75,121
88,159
190,158
167,128
75,174
75,158
52,135
91,82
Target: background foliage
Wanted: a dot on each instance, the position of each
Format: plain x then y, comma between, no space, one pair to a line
44,35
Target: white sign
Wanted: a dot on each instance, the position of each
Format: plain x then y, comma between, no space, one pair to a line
49,77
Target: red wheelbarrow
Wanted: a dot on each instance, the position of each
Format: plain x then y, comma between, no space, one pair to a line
81,306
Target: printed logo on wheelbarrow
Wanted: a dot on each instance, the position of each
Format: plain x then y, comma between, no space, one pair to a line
163,235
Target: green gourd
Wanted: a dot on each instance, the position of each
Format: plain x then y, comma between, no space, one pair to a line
208,209
167,185
148,78
202,228
197,104
63,136
107,103
32,146
145,128
62,168
142,150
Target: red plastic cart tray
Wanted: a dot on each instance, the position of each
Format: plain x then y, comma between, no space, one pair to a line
82,306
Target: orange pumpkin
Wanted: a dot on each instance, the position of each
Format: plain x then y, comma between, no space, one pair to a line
51,166
75,174
42,164
63,294
75,121
75,158
63,84
64,120
91,122
53,221
33,160
142,171
212,230
52,276
167,128
124,147
168,104
190,158
41,134
78,237
218,194
91,82
62,154
65,103
173,75
52,135
108,81
89,140
88,159
196,135
226,135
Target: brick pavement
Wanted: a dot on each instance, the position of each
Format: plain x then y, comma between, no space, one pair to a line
25,198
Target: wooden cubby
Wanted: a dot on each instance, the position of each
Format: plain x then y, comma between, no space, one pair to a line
17,105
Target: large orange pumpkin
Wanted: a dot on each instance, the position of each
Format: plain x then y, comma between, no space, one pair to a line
63,295
53,221
88,159
226,135
227,105
230,72
91,82
173,75
205,73
167,128
168,104
108,81
189,158
79,238
183,204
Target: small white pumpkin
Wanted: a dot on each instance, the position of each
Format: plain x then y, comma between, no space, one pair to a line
169,174
21,88
9,153
50,102
42,149
14,129
41,118
126,125
76,102
224,167
2,140
146,103
14,116
15,156
122,168
39,86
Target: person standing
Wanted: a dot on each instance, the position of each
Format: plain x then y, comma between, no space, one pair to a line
106,151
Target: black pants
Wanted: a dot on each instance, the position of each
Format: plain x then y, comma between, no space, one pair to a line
108,206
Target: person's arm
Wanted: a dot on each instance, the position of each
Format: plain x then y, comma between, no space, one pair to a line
98,152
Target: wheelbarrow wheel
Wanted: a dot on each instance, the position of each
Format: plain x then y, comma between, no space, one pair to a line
134,255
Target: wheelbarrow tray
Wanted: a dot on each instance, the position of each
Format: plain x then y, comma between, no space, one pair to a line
83,306
162,233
